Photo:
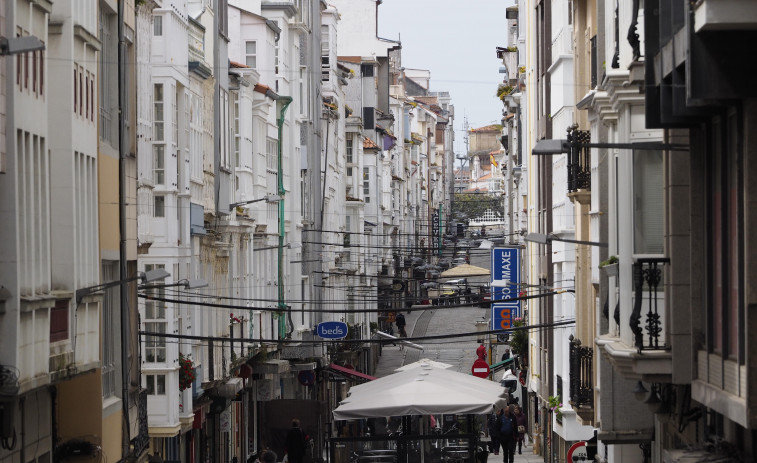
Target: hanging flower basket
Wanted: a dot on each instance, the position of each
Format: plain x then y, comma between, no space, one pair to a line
186,372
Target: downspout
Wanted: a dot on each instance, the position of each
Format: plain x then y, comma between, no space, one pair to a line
441,227
326,163
284,101
122,255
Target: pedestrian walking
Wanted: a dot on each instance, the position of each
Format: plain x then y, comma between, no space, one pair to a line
508,433
506,355
399,320
494,425
522,422
296,443
481,352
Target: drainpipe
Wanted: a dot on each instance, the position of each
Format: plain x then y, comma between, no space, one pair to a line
122,254
284,102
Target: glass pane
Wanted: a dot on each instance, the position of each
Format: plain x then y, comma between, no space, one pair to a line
647,199
251,61
150,386
161,384
251,47
161,351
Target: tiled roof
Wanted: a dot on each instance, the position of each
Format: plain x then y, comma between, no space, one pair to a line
260,88
488,128
234,64
369,144
350,59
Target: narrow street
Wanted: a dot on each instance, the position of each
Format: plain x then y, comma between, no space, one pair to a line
458,352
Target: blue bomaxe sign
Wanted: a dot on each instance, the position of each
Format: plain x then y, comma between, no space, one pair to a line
505,285
332,330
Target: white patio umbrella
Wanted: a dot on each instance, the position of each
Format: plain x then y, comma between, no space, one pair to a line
423,390
424,362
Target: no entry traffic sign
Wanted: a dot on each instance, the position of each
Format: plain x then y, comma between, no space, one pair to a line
480,368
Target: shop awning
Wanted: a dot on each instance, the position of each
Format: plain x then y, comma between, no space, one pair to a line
349,371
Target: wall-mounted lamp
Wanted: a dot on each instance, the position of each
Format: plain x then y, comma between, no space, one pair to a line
146,277
541,238
267,198
16,45
186,283
286,246
640,392
560,146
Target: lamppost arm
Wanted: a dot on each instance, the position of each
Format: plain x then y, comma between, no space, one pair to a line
146,277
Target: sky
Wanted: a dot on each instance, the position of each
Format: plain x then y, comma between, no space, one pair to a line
456,41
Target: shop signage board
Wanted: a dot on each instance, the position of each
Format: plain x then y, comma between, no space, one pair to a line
505,285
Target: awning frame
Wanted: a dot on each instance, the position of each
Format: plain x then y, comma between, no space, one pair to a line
345,370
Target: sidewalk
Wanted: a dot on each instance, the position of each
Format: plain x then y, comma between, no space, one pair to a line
527,456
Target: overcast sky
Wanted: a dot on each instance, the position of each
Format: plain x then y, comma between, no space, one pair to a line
456,41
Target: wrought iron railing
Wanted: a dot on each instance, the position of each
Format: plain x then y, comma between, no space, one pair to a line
581,374
579,159
141,442
647,275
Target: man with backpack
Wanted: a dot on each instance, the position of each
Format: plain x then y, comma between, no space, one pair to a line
508,434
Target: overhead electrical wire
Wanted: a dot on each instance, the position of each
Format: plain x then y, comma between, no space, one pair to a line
342,311
224,339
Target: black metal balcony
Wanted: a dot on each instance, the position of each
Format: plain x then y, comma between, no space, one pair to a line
581,374
647,277
141,442
579,159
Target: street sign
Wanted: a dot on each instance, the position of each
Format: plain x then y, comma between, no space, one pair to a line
480,368
502,316
505,284
577,452
332,330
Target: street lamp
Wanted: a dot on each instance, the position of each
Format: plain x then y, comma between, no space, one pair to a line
16,45
267,198
541,238
146,277
287,246
561,146
186,283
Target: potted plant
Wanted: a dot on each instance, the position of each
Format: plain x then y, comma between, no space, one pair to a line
610,266
554,406
186,372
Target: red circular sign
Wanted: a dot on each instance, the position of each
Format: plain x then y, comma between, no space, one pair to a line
577,452
480,368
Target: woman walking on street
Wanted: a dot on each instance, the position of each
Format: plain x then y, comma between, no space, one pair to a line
522,422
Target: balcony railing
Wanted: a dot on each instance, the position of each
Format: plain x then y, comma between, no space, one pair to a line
581,374
579,159
647,276
141,442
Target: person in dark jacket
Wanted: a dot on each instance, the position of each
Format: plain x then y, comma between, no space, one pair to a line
296,443
494,425
508,434
399,320
522,421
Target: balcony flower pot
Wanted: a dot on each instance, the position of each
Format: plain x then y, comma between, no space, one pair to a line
610,266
